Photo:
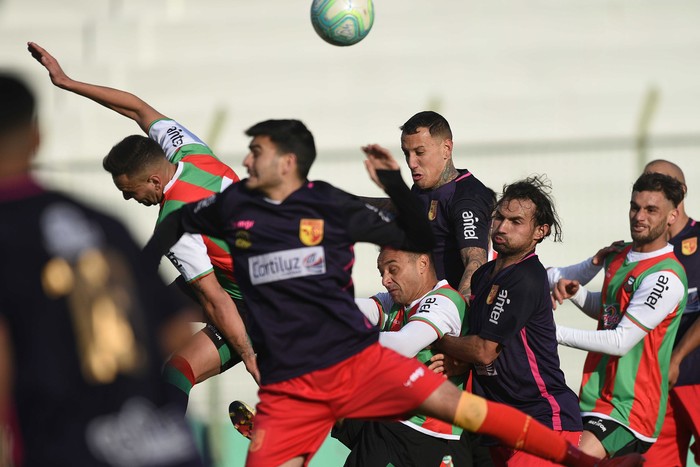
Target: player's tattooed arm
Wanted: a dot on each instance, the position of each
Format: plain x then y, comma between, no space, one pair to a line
472,258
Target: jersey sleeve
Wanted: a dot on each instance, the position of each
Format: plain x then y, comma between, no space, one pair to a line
471,216
648,307
440,313
616,341
370,308
205,217
408,230
410,339
189,256
384,302
646,310
176,140
367,223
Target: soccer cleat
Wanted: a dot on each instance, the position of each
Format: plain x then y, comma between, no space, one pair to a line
242,415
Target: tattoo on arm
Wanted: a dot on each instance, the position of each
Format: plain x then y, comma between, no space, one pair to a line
473,258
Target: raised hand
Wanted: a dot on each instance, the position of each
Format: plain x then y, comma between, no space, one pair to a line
56,73
378,158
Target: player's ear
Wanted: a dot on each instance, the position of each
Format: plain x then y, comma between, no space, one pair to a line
424,261
289,162
155,180
447,146
541,231
672,216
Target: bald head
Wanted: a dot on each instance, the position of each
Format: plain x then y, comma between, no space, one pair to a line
665,167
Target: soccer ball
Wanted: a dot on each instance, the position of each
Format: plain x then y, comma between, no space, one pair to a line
342,22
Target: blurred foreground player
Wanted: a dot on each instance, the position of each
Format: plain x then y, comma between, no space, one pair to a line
82,326
319,358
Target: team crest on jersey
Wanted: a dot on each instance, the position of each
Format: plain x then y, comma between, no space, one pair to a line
492,294
629,285
432,212
311,231
243,239
689,246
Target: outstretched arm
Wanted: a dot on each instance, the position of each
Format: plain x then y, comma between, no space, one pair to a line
639,318
122,102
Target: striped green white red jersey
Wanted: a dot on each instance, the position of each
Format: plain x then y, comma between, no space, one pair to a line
447,312
633,389
199,174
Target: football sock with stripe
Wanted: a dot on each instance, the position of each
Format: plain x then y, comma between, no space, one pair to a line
180,378
517,430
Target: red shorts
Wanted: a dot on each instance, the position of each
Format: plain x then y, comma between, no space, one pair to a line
503,456
294,417
682,421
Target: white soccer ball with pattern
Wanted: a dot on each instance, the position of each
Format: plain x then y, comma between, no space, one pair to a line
342,22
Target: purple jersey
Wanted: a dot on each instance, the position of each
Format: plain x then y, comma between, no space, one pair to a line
459,214
83,316
293,261
514,308
685,246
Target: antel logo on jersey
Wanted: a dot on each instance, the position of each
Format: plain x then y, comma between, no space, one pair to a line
499,307
657,292
469,221
176,136
287,264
